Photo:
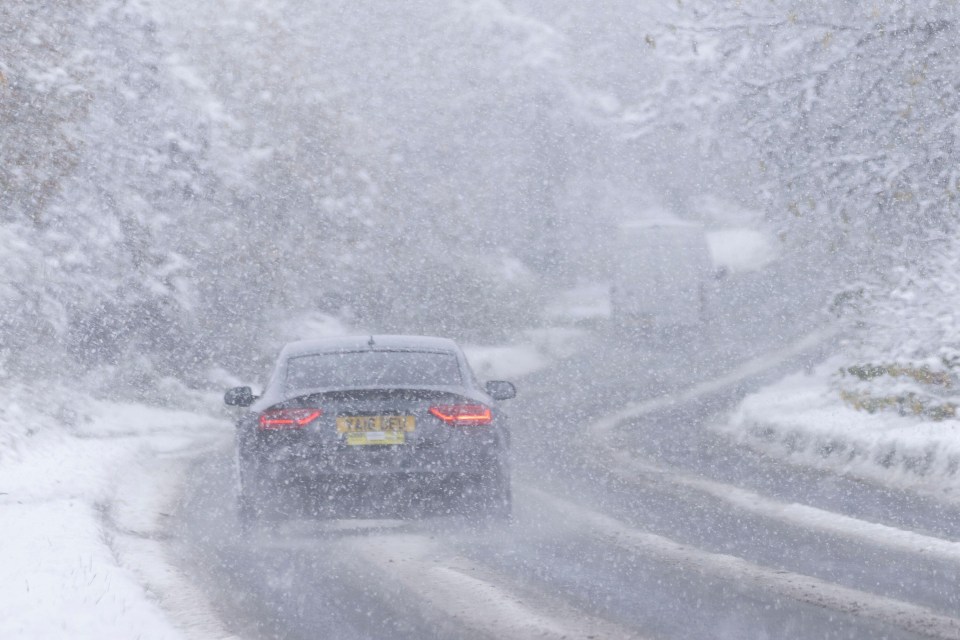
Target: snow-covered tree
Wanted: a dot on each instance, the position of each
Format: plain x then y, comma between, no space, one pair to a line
840,113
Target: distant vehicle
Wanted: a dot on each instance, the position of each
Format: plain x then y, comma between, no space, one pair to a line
660,273
404,411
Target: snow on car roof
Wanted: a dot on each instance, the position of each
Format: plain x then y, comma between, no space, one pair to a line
382,342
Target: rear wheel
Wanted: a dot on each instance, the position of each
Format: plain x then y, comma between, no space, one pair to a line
250,503
256,500
496,495
246,512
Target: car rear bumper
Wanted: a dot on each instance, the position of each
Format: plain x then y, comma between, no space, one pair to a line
478,458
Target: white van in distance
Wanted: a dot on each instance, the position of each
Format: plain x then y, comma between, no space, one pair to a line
660,273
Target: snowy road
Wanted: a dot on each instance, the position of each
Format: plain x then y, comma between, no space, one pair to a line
656,529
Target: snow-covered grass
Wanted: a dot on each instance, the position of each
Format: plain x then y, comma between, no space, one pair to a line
885,407
802,419
85,486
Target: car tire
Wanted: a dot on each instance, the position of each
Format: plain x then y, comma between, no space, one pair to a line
496,496
246,513
250,504
253,506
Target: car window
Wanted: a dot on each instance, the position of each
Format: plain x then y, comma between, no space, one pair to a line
372,368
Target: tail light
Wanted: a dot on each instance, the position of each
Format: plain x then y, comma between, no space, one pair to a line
463,414
285,419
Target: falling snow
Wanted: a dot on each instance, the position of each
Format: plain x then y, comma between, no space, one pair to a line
742,428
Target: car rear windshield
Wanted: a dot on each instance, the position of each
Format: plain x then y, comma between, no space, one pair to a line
372,368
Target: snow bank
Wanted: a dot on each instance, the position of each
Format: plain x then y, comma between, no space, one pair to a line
79,558
802,419
886,407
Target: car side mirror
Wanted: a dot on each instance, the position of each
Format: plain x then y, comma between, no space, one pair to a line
501,390
239,397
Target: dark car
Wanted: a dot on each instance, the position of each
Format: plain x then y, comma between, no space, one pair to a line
341,413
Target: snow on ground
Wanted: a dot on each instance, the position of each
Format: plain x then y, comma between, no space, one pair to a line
537,348
84,488
740,250
583,303
801,419
886,406
531,351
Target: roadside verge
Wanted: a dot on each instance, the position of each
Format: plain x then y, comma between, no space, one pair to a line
802,420
83,493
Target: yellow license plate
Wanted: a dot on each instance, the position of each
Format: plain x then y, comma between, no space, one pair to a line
372,430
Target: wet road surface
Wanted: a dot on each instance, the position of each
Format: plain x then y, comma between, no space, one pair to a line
660,528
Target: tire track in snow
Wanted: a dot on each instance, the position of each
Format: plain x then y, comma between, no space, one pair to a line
812,518
792,513
469,600
909,617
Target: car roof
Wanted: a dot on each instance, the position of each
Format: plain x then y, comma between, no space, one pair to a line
363,342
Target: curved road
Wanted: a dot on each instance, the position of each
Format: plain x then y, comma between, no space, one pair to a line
657,529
